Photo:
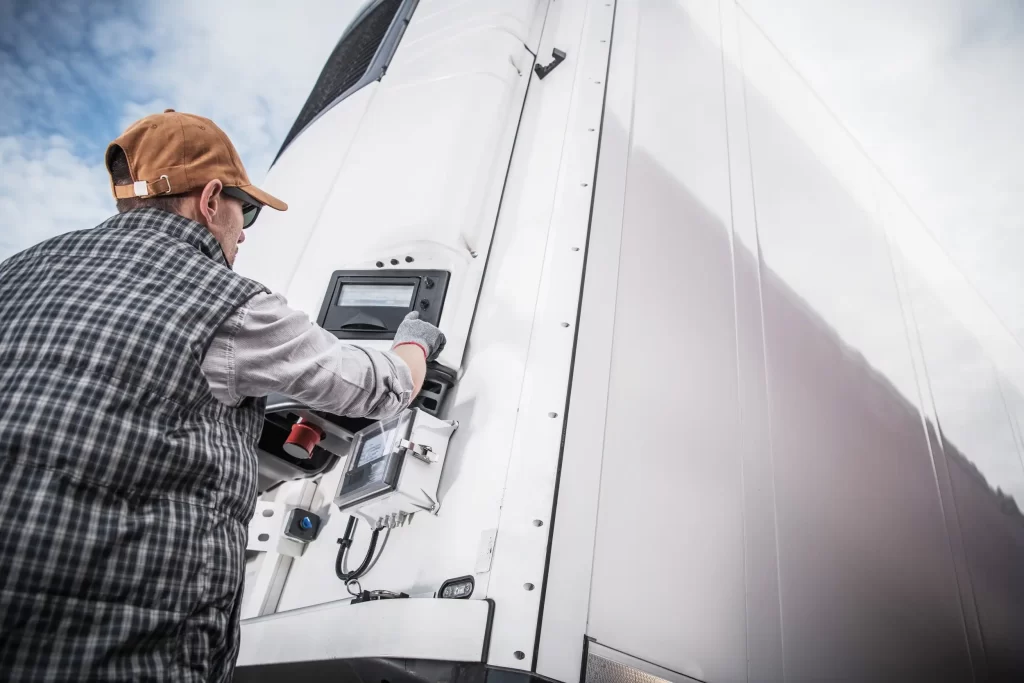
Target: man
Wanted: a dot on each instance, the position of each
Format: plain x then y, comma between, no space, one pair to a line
132,365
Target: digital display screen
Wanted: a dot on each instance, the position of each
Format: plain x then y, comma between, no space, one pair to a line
395,296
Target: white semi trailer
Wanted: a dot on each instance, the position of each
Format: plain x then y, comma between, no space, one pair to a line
714,406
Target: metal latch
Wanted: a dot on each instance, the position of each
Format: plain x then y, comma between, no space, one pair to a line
359,595
367,596
558,56
418,451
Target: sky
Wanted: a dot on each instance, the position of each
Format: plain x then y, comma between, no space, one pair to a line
75,73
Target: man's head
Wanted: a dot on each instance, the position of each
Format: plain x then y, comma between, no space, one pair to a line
185,164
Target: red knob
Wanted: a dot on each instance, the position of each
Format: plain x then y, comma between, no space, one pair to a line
302,439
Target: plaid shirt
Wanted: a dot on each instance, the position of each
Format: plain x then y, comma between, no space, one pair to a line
125,486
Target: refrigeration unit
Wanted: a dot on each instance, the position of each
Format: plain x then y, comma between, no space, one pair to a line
694,417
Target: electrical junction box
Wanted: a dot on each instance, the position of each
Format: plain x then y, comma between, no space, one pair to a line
394,468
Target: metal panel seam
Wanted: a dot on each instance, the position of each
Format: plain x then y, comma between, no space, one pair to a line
572,359
764,347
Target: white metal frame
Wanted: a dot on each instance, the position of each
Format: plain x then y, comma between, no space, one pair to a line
542,228
412,628
431,549
567,591
554,164
264,587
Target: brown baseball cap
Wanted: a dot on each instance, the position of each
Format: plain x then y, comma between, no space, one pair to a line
173,153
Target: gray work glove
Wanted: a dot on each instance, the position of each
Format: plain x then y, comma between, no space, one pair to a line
420,332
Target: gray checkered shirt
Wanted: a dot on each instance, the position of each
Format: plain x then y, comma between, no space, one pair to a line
125,485
268,347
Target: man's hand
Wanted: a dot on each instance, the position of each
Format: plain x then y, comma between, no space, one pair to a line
422,334
417,342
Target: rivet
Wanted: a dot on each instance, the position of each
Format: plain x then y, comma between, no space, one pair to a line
552,415
518,654
565,324
538,522
528,586
264,537
380,264
584,184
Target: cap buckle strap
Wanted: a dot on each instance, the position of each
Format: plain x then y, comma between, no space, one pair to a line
142,189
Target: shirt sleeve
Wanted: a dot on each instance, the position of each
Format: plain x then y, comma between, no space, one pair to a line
266,347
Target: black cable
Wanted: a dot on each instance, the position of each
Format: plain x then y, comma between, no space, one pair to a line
346,542
383,544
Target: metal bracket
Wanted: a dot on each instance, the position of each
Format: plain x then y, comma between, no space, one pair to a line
265,526
302,525
558,56
366,596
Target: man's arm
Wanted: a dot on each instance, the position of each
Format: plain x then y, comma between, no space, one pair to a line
267,347
417,362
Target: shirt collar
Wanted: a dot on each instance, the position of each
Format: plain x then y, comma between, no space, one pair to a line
180,227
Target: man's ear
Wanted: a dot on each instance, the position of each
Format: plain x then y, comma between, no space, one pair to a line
211,200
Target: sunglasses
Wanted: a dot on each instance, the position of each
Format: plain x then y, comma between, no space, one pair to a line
249,210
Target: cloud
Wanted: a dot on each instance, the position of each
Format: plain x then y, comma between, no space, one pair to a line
75,73
47,190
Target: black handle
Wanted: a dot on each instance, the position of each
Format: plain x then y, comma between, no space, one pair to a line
558,56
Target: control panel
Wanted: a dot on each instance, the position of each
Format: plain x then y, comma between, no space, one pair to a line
371,304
